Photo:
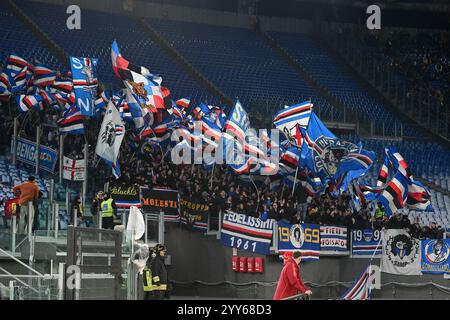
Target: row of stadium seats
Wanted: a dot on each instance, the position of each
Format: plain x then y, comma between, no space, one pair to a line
94,39
238,61
16,37
327,71
242,64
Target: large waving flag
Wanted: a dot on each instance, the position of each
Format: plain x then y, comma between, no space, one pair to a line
403,190
85,83
321,149
419,198
144,85
110,138
288,119
331,158
353,165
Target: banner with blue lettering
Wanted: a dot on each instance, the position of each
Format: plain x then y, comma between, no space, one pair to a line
366,242
85,83
299,237
333,238
247,233
435,256
26,152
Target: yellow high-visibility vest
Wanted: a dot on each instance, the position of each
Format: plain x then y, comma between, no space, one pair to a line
107,209
147,280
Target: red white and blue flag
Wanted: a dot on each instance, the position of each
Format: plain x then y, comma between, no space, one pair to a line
360,289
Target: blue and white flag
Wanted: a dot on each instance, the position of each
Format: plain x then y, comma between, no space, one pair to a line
247,233
110,138
299,237
366,243
435,256
85,83
288,119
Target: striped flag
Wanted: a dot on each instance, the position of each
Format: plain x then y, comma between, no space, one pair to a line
183,103
27,102
286,120
43,76
419,198
15,64
360,290
71,121
384,172
20,80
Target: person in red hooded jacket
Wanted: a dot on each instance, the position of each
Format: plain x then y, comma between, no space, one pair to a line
290,282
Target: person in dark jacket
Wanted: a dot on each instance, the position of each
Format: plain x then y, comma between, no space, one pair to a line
160,277
78,206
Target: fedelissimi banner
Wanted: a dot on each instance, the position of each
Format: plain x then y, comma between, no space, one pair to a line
26,152
246,233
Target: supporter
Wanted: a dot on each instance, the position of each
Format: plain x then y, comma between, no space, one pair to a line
395,222
29,192
78,207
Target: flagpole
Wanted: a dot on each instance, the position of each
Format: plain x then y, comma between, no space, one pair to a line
257,191
85,181
212,174
295,180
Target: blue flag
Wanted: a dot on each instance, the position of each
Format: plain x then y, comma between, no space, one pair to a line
85,83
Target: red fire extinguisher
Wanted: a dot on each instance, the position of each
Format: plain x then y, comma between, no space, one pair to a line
243,264
251,264
259,265
235,263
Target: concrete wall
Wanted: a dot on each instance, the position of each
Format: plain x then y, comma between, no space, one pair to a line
196,257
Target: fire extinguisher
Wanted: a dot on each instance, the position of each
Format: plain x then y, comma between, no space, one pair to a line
259,265
235,263
251,264
243,264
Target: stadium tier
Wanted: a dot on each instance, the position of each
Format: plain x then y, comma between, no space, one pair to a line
135,44
20,39
337,79
122,174
241,63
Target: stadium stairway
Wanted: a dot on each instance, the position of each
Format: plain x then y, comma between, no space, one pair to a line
188,67
363,126
57,51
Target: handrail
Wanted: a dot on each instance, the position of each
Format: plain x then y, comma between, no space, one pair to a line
20,262
300,295
18,280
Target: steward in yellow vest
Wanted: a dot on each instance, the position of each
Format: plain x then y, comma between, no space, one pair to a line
108,209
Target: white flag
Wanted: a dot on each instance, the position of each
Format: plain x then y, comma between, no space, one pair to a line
136,222
73,169
110,137
401,253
